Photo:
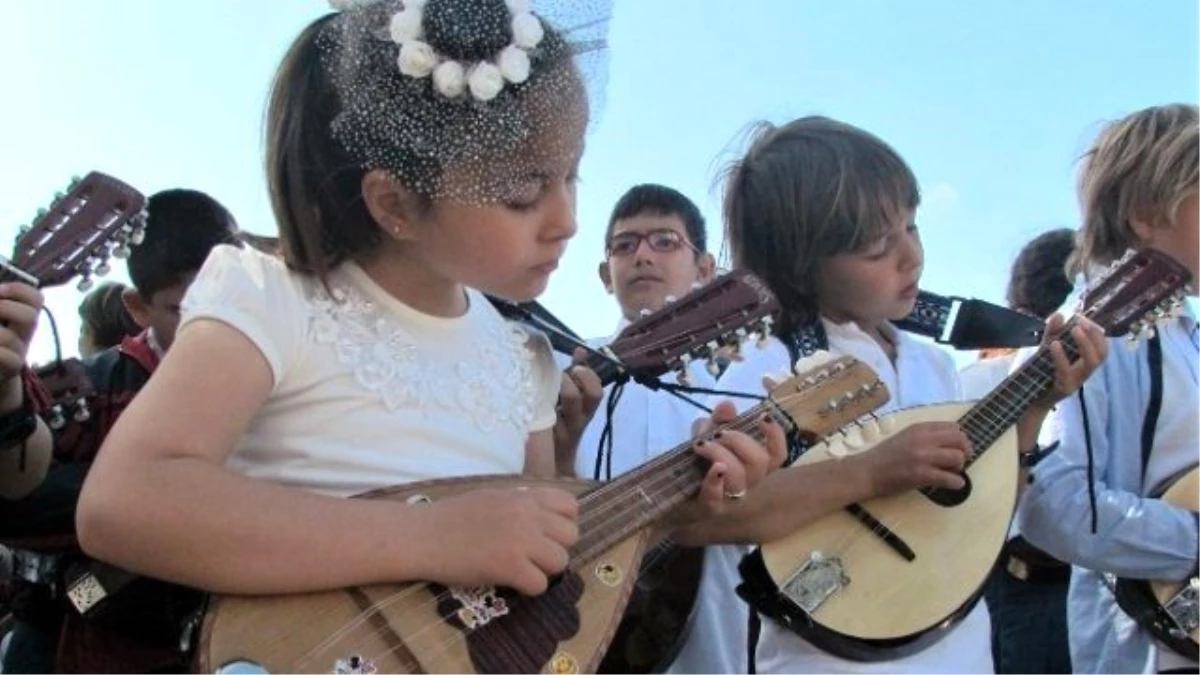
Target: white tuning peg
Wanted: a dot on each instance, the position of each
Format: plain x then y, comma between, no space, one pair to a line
137,236
669,299
763,329
837,447
772,380
102,267
56,421
644,312
683,377
853,437
870,429
712,366
887,424
120,251
85,284
82,414
812,361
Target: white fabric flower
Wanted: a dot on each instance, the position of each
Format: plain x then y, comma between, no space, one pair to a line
519,6
406,26
450,79
417,59
527,30
485,81
514,64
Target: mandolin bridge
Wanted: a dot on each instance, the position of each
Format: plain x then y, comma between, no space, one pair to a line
1184,607
815,582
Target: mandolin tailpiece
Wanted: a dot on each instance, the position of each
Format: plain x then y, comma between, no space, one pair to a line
818,579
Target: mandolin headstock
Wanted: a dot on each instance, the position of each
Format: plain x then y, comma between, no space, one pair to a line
826,393
98,217
1137,291
720,315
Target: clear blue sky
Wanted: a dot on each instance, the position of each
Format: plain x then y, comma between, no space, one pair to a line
990,102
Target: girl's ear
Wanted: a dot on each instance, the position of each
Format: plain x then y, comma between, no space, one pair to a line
393,207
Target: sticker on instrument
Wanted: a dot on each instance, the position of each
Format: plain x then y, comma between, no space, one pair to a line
609,574
563,664
355,665
480,605
86,592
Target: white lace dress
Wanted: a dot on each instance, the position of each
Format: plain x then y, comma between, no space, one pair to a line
369,392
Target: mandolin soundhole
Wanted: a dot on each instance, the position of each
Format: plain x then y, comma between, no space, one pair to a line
507,632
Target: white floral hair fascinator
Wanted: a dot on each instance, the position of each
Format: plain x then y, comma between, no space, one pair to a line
422,85
452,78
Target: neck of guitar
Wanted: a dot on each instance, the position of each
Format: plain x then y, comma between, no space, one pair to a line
1004,406
617,509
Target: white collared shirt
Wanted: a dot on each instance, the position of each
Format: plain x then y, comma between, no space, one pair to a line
645,424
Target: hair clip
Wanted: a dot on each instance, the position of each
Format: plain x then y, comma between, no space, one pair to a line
485,79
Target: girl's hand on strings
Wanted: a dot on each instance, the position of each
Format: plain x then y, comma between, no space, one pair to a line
517,538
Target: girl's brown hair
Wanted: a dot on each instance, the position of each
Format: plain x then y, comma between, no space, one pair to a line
315,174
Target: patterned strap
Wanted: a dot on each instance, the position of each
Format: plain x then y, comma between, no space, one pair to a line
977,324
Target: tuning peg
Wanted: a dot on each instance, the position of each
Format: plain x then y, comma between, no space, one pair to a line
41,213
853,437
75,181
762,329
120,251
82,414
102,267
85,284
772,380
138,235
56,421
669,299
812,361
644,312
887,424
870,429
713,367
836,446
685,363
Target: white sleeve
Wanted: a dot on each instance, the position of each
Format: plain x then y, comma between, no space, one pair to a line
256,295
745,376
548,377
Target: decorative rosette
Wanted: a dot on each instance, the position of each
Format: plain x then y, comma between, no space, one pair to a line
484,79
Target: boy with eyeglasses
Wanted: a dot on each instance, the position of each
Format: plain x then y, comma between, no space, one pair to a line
654,250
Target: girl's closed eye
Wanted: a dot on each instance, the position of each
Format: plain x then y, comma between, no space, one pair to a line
526,194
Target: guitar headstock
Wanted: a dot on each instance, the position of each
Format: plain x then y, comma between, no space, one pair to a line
1140,289
98,217
719,315
826,393
68,386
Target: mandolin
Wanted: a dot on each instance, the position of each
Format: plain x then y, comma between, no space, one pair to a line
888,577
426,627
